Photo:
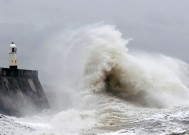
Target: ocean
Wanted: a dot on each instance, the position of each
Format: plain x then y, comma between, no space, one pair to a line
110,89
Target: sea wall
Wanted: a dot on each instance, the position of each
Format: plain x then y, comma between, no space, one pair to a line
21,92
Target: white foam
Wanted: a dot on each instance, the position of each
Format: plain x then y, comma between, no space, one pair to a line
91,53
73,121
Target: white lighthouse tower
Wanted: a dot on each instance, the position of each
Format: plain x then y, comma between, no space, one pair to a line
13,56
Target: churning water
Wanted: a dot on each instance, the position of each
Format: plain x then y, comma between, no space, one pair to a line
113,90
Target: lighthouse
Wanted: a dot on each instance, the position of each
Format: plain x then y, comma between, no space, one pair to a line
21,93
13,56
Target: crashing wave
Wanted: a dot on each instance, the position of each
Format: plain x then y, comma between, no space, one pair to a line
148,80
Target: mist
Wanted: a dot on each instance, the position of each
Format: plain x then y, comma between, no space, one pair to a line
40,30
68,61
106,66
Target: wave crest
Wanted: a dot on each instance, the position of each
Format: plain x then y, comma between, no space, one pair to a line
145,79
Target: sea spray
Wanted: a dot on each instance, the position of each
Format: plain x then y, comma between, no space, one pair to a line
149,80
109,84
73,121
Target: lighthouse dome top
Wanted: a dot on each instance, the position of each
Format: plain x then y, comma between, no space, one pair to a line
12,45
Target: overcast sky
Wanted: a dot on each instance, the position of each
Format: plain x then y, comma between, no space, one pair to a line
155,25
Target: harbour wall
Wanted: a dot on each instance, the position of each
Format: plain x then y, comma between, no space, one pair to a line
21,92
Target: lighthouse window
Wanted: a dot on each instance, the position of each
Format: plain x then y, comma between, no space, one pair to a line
13,49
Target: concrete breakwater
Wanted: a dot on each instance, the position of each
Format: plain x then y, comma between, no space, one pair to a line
21,92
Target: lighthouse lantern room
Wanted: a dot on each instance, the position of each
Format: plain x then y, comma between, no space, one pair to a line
13,56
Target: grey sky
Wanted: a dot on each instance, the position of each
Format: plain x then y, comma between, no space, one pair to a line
155,25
